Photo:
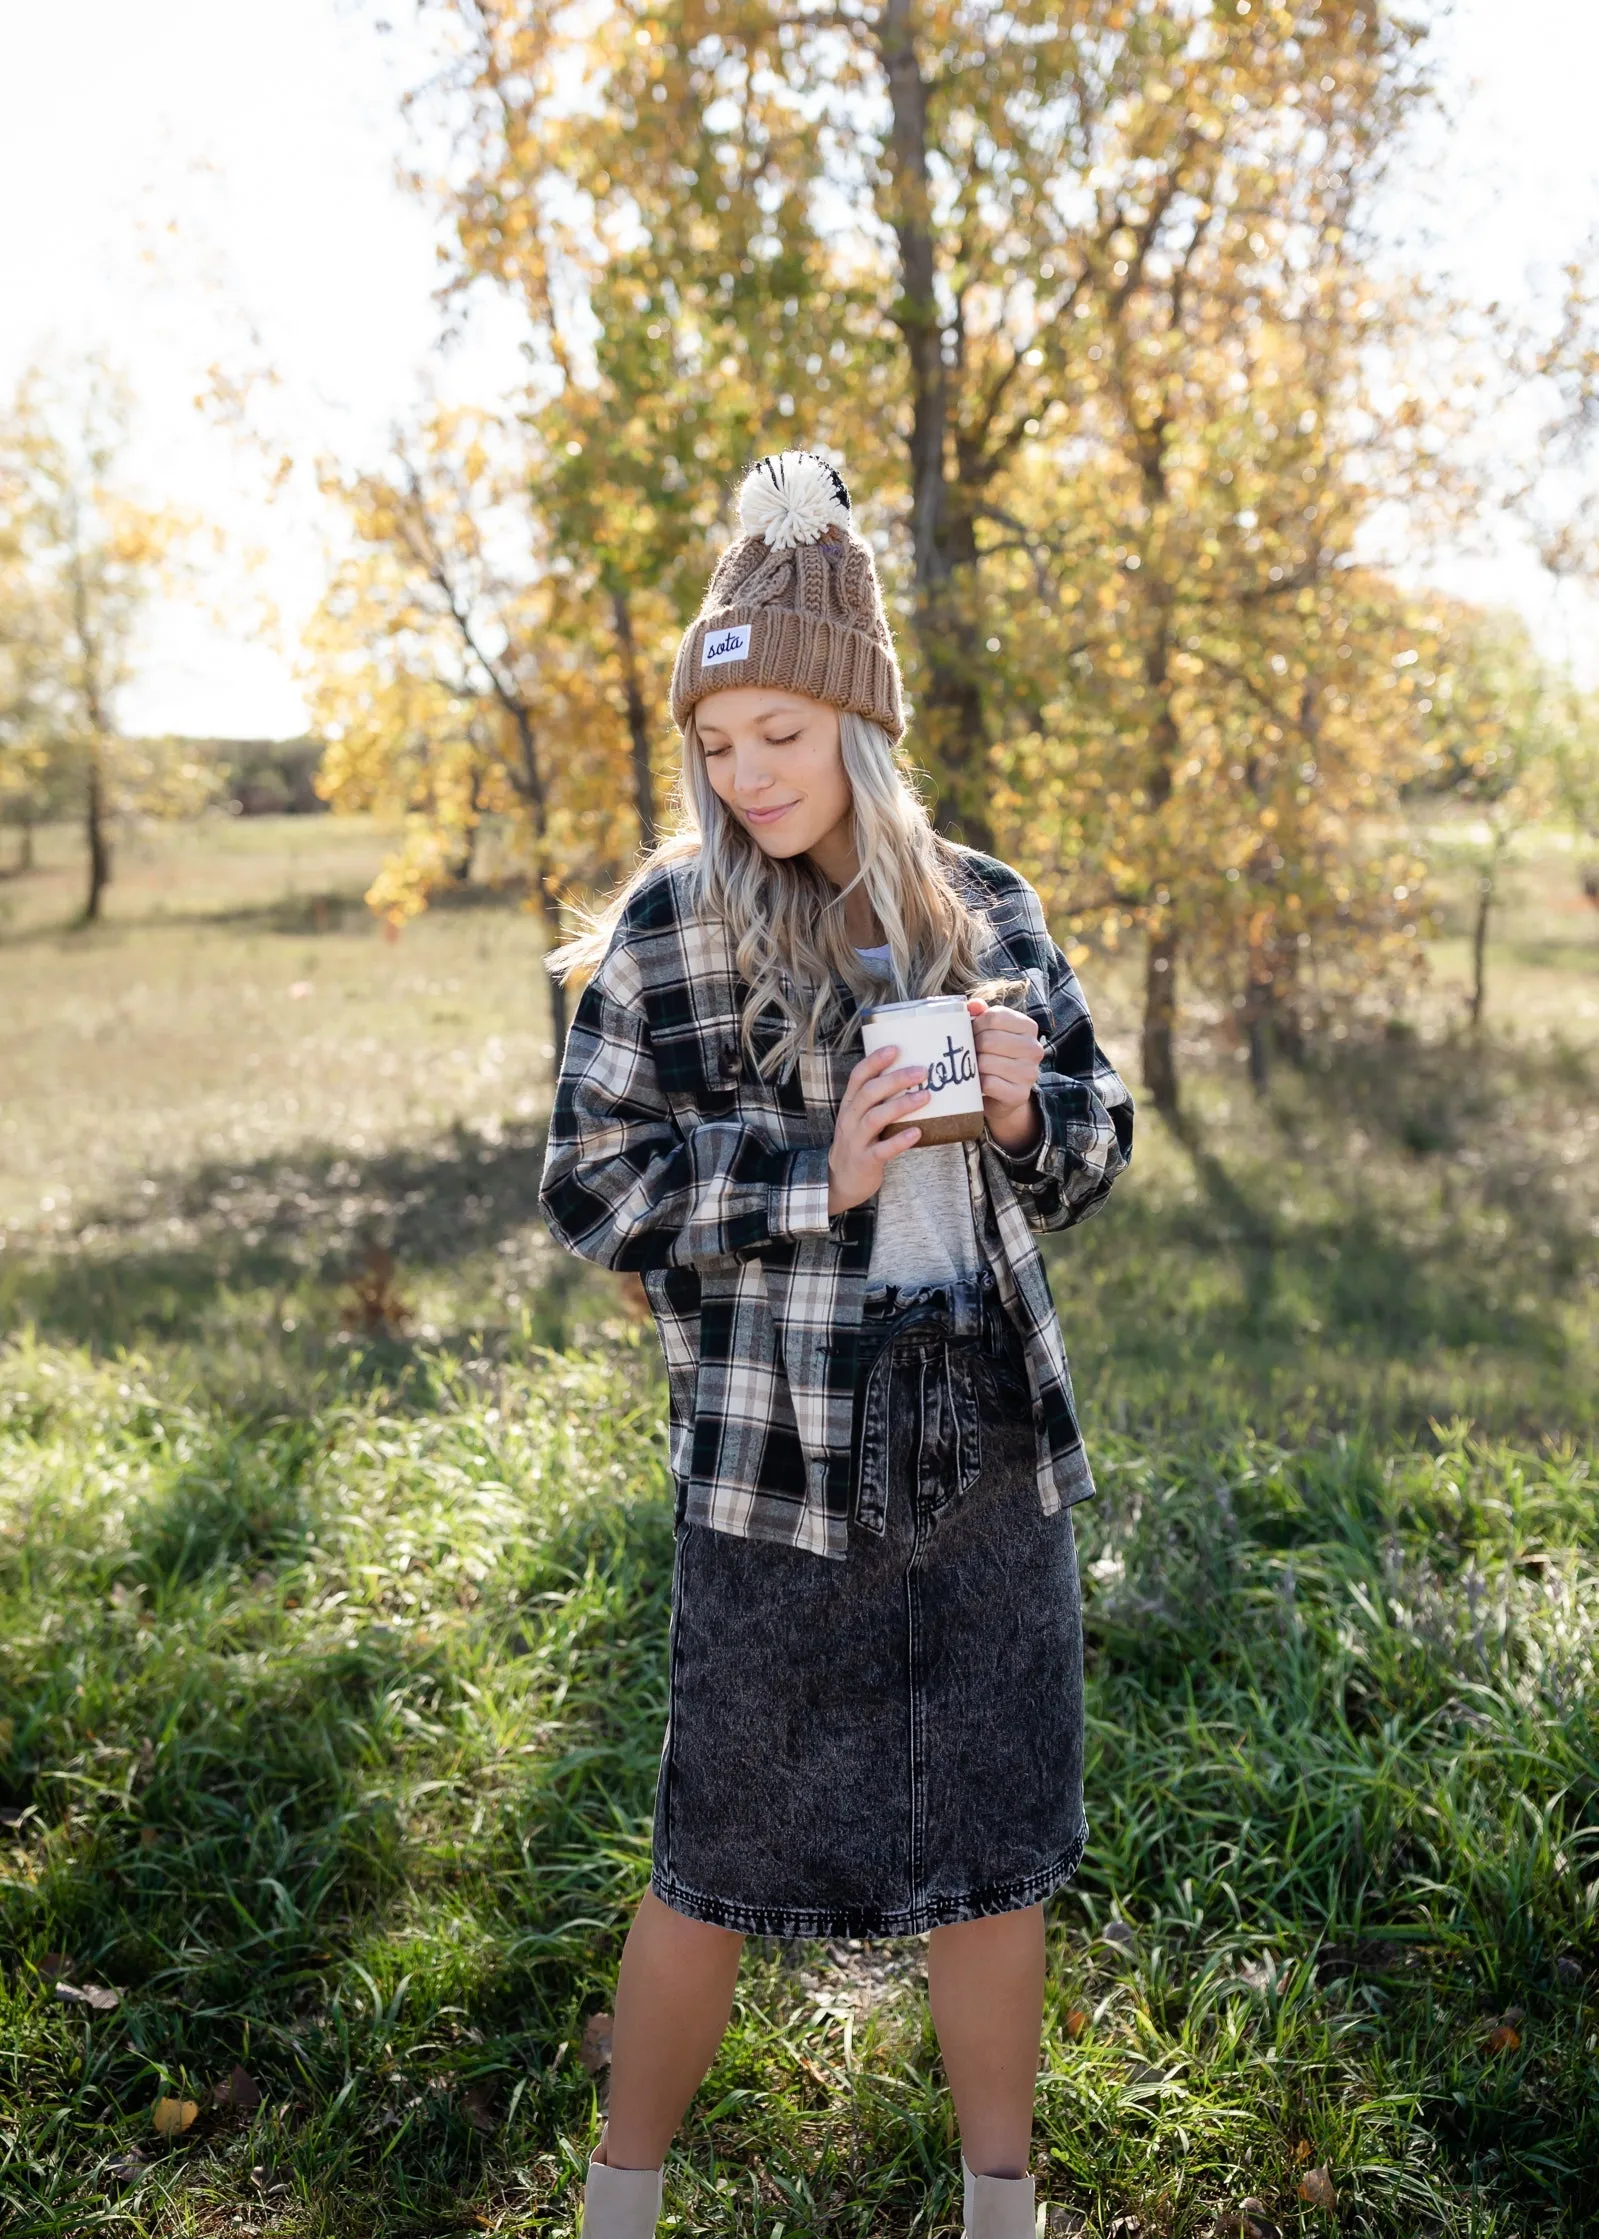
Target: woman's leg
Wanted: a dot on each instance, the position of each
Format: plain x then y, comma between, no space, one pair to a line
985,1984
673,1997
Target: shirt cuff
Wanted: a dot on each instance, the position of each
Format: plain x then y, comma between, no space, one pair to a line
799,1200
1028,1168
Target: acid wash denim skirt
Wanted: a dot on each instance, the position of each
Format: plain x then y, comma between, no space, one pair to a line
883,1745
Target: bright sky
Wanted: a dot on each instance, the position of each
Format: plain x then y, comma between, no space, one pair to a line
177,175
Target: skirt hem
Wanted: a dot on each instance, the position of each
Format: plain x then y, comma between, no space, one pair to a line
821,1921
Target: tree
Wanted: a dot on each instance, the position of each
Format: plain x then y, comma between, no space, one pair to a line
25,668
1081,296
673,282
89,557
1502,731
457,674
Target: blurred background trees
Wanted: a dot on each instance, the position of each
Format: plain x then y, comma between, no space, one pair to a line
1088,305
80,558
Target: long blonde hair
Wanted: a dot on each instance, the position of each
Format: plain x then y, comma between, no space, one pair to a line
785,920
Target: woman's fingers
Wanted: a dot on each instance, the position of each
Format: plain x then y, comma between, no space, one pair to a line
887,1113
865,1072
909,1080
997,1027
890,1146
1022,1068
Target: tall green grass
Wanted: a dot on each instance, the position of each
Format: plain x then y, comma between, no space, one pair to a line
332,1678
333,1729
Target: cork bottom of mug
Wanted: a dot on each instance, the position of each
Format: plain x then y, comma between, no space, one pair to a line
950,1127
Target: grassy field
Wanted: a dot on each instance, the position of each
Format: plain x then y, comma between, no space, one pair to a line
331,1657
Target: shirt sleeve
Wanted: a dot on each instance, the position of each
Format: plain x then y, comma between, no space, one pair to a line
1087,1112
625,1186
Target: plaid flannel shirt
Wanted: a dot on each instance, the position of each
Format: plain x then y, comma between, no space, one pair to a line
670,1155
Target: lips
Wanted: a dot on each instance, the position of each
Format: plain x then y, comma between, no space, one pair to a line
766,816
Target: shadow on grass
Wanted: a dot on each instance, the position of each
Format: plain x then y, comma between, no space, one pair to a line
159,1265
1392,1233
386,1865
1410,1230
255,1828
330,910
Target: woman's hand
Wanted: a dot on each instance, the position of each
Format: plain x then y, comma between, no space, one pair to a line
1008,1058
874,1102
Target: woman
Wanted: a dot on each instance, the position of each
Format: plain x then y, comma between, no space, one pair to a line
875,1722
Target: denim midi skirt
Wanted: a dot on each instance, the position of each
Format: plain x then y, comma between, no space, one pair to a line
886,1744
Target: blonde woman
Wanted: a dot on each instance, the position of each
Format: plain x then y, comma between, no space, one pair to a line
875,1723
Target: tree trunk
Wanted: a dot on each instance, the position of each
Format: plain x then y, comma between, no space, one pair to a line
529,781
465,856
952,735
95,833
1160,972
1160,1020
1260,1040
638,722
557,1016
1479,948
1260,1016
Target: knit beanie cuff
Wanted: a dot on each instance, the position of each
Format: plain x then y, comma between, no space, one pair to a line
797,652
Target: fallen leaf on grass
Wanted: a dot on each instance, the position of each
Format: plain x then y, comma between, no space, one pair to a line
1118,1935
477,2104
1316,2189
126,2167
1076,2022
1503,2039
1302,2151
95,1995
172,2117
1064,2223
1568,1967
595,2050
240,2091
53,1964
1126,2227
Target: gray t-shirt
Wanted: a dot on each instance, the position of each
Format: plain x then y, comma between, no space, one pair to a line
925,1230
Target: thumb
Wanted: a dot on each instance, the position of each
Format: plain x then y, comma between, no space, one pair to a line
975,1006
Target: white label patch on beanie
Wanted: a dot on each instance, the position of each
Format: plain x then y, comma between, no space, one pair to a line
722,646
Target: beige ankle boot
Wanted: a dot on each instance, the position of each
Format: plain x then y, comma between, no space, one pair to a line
621,2203
999,2207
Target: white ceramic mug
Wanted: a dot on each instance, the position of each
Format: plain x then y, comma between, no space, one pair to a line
934,1035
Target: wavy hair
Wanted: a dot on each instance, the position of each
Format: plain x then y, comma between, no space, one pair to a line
785,920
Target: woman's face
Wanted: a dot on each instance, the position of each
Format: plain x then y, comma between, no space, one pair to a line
775,759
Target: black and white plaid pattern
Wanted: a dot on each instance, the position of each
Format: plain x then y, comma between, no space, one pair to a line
669,1155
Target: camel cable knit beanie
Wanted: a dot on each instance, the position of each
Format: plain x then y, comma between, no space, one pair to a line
794,601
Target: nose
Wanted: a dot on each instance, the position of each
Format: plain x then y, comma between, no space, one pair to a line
750,772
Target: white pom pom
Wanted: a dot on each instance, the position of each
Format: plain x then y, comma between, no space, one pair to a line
792,498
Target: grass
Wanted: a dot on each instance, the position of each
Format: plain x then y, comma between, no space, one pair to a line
332,1668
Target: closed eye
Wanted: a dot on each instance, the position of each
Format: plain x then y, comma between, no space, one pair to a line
789,741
